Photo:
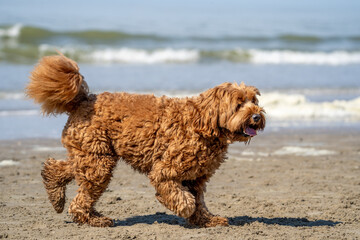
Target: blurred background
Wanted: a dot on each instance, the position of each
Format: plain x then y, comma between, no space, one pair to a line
304,56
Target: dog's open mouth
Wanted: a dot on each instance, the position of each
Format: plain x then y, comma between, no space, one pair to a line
250,131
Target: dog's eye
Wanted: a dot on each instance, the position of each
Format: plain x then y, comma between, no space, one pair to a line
238,106
254,100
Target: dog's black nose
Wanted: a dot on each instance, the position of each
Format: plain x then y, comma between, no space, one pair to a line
256,117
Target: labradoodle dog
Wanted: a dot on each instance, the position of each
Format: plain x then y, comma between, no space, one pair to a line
177,142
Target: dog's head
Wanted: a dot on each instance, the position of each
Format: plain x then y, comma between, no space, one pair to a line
232,111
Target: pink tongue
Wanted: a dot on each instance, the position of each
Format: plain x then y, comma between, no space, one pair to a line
250,131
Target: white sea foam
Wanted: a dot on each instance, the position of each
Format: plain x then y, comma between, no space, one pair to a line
297,107
241,159
260,154
171,55
11,32
125,55
8,162
128,55
48,149
295,57
303,151
12,95
247,153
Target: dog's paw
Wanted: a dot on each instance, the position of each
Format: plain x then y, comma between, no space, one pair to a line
100,221
217,221
93,218
185,206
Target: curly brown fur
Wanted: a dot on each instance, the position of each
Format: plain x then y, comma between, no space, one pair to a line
56,174
177,143
57,84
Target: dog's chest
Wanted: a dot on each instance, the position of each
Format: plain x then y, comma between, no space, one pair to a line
204,161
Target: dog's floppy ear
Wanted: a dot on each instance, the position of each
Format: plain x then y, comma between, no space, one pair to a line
254,90
250,89
251,92
207,104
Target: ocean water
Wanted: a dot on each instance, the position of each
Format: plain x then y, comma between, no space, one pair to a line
304,56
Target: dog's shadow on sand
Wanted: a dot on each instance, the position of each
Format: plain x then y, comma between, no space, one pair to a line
161,217
292,222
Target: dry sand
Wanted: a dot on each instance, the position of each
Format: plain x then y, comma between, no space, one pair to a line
284,185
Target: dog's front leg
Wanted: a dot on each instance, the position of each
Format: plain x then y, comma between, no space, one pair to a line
171,193
202,217
175,197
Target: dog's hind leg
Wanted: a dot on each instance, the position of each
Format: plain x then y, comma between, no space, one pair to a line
201,216
93,174
56,174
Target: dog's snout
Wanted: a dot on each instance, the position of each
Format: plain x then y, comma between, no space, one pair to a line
256,117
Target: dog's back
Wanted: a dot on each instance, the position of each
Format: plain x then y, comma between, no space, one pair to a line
120,124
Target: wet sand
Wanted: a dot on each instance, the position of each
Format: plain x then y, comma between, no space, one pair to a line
292,184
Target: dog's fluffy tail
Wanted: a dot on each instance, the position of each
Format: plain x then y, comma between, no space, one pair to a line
57,85
56,175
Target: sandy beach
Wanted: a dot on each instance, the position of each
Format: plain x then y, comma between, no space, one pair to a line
293,184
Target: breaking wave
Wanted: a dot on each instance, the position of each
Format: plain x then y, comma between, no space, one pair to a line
280,106
127,55
11,31
174,55
26,44
314,58
34,33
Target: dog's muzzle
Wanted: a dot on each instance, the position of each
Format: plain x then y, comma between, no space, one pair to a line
251,130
